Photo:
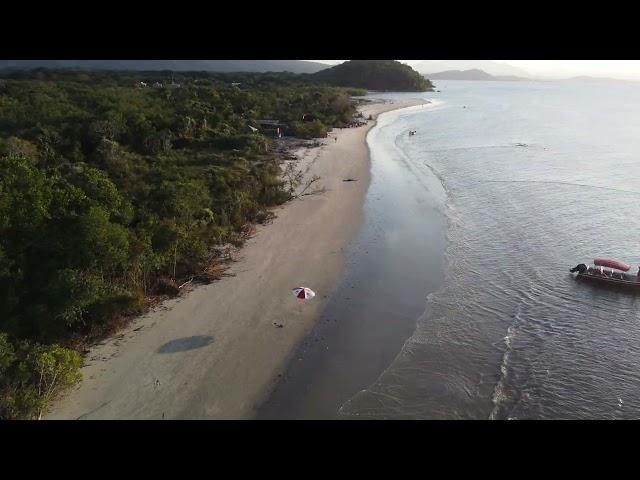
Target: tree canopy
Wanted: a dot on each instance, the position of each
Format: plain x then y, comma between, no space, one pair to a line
381,75
112,183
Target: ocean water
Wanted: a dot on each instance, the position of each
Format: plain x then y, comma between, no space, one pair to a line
536,178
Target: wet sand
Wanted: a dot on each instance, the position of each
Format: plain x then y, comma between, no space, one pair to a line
215,352
393,264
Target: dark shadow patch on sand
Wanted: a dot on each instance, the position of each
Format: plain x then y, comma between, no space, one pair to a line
85,415
186,343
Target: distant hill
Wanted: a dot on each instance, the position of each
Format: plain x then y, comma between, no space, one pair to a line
474,74
380,75
489,66
294,66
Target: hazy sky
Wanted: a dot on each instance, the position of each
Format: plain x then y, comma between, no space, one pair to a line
624,69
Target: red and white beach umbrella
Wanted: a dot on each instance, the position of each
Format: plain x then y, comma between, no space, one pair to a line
304,293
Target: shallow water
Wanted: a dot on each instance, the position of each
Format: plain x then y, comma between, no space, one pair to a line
472,270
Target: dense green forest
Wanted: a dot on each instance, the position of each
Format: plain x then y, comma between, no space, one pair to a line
381,75
294,66
115,186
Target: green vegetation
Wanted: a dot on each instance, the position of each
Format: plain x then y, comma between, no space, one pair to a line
294,66
381,75
31,375
112,191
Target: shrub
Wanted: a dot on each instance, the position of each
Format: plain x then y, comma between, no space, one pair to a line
313,129
32,375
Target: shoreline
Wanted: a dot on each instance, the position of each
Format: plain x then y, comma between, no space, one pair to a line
216,353
393,264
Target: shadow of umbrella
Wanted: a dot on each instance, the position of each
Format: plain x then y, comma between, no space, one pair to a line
186,343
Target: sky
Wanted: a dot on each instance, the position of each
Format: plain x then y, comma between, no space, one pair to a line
622,69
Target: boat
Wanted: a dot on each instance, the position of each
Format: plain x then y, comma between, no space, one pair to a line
608,271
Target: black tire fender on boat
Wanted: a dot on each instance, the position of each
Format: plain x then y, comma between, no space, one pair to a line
581,268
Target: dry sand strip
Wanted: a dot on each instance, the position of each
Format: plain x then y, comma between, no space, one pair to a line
215,352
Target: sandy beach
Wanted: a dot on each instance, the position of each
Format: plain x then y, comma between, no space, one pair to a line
216,352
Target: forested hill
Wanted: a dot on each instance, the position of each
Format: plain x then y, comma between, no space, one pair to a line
118,186
380,75
293,66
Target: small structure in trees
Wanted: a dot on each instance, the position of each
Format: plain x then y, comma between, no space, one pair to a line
273,127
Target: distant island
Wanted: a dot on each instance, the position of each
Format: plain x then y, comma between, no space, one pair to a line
223,66
474,74
380,75
427,67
